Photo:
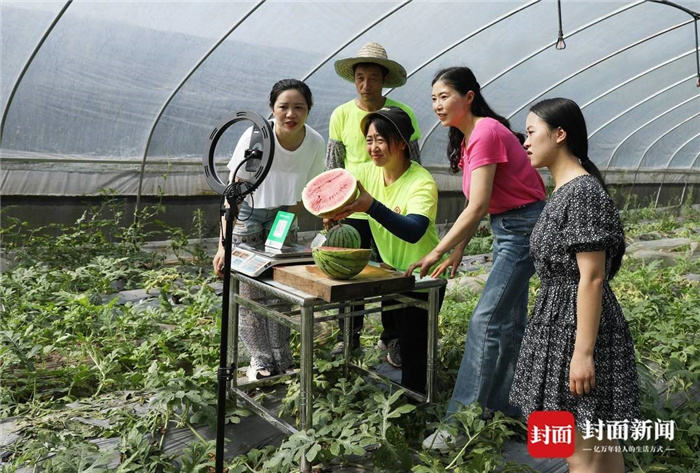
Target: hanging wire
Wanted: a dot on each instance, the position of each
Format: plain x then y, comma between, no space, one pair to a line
560,39
697,54
696,17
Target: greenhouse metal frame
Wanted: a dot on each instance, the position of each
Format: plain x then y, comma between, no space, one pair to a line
115,94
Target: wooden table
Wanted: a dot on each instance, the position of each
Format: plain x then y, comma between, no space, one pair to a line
312,292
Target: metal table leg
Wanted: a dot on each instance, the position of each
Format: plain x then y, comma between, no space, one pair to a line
307,306
306,375
433,310
347,331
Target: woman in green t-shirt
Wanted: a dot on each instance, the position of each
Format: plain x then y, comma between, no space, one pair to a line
400,197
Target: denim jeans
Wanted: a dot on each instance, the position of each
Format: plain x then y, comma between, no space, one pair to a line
497,325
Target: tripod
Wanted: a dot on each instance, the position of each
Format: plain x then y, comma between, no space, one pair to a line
259,156
234,197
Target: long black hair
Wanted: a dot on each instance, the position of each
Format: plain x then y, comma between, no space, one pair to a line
286,84
566,114
462,79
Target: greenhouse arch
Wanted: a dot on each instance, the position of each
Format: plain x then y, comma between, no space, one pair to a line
609,67
116,298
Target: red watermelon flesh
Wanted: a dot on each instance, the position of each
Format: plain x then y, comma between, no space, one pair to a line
326,194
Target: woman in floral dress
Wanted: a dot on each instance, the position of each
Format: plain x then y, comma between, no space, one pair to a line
577,354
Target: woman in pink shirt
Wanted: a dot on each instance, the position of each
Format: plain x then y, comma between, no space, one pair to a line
499,181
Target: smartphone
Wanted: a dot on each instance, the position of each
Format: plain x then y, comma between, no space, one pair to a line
254,151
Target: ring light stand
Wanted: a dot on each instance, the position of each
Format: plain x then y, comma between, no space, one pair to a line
233,194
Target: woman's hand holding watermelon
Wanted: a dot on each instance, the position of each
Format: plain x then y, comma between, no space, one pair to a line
361,204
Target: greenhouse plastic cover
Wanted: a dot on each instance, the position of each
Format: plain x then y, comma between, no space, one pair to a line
93,90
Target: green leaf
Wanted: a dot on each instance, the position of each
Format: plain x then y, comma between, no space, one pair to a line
312,452
399,411
335,449
393,454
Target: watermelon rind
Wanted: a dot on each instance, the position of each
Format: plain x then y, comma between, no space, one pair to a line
340,263
343,236
337,180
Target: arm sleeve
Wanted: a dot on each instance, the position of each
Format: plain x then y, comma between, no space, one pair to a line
414,149
592,222
335,151
335,154
413,146
410,228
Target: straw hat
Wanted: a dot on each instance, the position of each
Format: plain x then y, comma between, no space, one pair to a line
376,54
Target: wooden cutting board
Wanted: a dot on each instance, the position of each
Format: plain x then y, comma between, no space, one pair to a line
372,281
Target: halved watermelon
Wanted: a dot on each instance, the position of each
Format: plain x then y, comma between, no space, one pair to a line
340,263
326,194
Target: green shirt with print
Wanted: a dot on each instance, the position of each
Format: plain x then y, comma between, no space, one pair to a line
344,127
415,192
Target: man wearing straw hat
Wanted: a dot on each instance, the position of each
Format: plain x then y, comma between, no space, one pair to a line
370,70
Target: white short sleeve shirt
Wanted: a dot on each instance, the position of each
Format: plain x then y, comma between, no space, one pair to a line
290,170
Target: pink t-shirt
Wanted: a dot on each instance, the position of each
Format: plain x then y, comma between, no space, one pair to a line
516,182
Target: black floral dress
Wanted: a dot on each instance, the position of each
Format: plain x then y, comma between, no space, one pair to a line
579,217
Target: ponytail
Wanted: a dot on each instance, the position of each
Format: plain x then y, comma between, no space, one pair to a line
616,261
593,170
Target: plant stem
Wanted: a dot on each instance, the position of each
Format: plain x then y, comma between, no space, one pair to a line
464,448
459,455
194,431
165,428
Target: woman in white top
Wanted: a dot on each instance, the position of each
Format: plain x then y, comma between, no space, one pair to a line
299,156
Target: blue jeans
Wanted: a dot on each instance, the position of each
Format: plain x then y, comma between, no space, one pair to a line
497,325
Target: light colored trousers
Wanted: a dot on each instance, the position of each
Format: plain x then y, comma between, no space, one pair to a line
266,340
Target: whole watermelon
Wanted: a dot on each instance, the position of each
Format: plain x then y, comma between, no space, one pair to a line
343,236
340,263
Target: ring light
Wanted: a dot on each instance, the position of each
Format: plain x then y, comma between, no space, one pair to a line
268,151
